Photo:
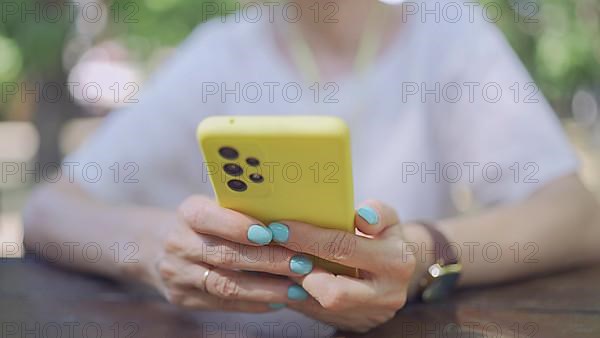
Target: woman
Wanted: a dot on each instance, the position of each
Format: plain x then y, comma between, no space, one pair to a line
435,105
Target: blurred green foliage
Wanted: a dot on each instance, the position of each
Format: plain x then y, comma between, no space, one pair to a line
558,40
26,42
32,40
145,25
559,43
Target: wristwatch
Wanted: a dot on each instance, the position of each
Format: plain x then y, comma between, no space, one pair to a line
443,275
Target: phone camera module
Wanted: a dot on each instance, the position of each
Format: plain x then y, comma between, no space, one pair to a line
256,178
229,153
237,185
253,161
233,169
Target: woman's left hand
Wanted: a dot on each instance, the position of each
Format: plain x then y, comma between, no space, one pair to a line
385,267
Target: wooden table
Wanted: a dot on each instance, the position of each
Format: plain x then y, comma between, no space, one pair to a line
39,300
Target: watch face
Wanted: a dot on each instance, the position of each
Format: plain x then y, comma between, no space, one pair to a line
440,287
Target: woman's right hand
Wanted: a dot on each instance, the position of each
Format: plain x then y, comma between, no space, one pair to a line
200,271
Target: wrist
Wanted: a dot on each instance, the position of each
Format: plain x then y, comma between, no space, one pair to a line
416,239
151,232
442,275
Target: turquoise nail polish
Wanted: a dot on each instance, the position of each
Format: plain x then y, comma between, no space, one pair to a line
301,265
281,232
296,292
277,306
259,234
369,214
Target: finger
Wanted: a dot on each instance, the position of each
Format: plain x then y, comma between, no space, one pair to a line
225,254
179,273
333,245
226,284
372,217
275,260
350,320
207,217
237,285
338,292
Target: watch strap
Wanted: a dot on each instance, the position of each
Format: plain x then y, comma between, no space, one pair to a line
444,252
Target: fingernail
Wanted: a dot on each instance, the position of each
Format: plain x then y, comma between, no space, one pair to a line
281,232
277,306
369,214
301,265
259,234
296,292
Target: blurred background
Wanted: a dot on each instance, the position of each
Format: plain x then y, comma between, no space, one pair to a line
55,55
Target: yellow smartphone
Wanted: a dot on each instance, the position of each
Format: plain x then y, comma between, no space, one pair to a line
276,168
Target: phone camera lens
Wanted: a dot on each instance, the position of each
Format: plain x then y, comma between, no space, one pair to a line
256,178
237,185
253,161
233,169
229,153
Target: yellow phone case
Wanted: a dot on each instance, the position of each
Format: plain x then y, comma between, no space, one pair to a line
304,170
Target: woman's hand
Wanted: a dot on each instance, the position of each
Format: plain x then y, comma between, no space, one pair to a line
234,247
231,247
385,266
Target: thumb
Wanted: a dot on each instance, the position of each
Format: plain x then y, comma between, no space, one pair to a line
372,217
